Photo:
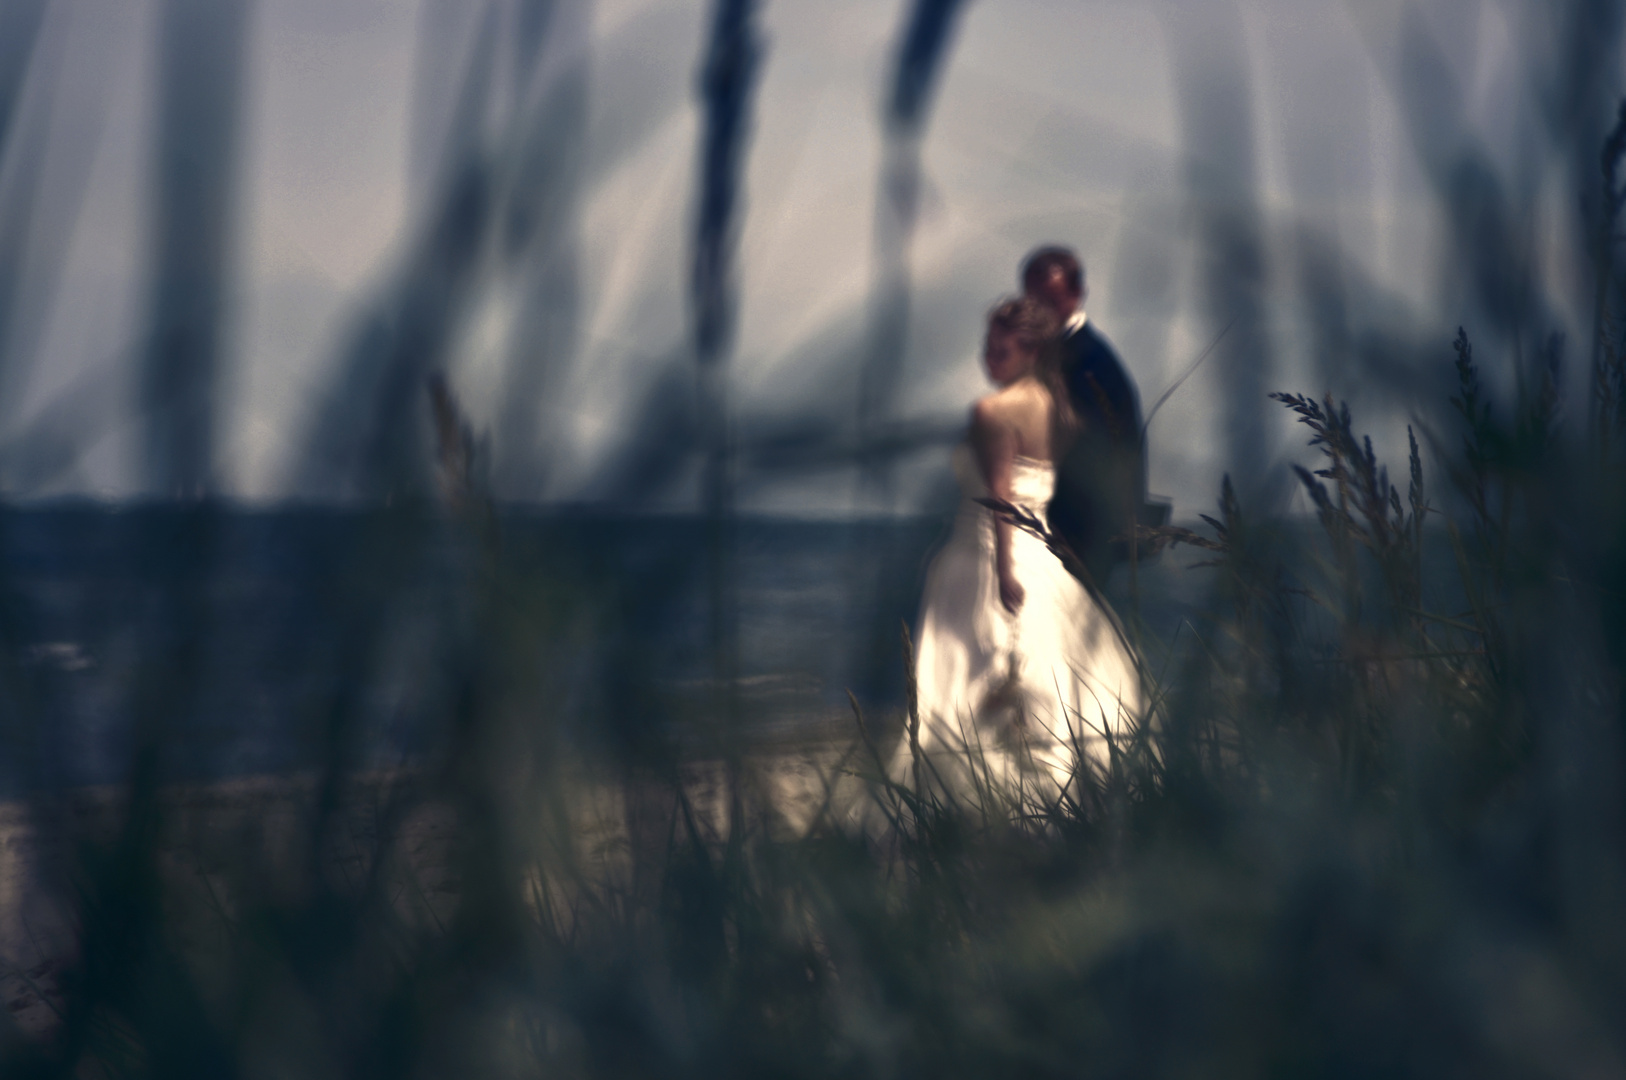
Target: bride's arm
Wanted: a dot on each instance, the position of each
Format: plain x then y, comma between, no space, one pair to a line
994,440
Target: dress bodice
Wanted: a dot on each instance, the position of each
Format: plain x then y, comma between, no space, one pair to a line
1032,482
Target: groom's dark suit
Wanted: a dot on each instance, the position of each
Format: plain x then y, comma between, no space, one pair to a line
1101,482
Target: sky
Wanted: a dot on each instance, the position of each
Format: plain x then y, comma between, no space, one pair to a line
1138,133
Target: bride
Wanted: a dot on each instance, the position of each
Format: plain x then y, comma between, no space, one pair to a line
1022,677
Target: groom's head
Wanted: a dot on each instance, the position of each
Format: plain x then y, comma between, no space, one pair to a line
1053,276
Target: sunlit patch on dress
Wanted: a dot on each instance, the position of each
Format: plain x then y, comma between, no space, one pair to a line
1009,699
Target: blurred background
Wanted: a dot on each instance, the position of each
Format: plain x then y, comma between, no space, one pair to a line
327,199
704,286
442,440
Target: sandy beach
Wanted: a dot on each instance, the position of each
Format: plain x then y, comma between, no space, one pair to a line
396,830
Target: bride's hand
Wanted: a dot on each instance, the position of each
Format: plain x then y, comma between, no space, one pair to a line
1011,593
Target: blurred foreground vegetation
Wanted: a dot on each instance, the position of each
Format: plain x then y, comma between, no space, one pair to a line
1364,833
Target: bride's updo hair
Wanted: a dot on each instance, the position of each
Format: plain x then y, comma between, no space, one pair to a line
1034,325
1038,327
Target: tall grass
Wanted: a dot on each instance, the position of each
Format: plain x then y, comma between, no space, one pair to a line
1366,834
1375,822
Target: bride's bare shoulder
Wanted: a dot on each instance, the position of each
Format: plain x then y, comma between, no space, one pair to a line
1015,416
991,413
999,401
1016,403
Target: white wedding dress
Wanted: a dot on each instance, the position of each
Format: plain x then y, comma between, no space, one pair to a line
1017,705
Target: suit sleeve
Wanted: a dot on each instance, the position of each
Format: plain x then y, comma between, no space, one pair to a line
1102,391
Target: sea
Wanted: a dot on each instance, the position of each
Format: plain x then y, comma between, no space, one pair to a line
226,641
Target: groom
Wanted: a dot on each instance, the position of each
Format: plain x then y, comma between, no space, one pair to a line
1101,482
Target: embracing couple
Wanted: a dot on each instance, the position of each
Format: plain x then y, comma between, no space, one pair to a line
1023,674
